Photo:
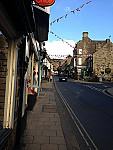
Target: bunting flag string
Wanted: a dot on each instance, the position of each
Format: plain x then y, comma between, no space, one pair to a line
58,56
36,72
66,55
84,53
72,12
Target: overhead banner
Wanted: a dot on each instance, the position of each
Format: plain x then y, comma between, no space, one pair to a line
85,54
45,2
72,12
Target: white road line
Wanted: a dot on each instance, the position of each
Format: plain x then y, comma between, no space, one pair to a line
72,114
106,93
93,88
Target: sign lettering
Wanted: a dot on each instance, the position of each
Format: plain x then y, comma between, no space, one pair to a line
45,2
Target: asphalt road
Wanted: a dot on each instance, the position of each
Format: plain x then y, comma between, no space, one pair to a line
91,110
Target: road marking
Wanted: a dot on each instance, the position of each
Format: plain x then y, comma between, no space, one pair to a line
75,119
93,88
104,91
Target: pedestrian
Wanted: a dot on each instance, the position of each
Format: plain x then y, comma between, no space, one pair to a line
51,78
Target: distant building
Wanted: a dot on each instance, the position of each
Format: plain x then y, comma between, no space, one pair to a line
90,54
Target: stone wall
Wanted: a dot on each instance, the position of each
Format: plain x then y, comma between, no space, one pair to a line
102,59
102,54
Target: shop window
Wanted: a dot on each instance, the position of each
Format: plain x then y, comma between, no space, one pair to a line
80,51
79,61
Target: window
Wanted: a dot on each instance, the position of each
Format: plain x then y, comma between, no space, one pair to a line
79,61
74,62
80,51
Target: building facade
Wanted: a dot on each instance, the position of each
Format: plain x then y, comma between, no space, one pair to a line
86,56
25,28
103,59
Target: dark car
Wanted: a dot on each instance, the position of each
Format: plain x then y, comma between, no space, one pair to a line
63,78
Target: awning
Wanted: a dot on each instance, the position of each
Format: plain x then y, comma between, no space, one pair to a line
42,24
20,14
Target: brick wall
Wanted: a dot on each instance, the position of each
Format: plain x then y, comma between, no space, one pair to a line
3,72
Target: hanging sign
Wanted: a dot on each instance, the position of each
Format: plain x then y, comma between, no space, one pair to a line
45,2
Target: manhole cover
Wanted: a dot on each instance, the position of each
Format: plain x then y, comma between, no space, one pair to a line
49,108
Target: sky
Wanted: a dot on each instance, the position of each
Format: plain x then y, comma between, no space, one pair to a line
96,18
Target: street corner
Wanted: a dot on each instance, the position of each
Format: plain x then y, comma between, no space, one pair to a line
108,92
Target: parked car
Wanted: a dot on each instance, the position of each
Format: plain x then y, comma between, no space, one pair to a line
63,78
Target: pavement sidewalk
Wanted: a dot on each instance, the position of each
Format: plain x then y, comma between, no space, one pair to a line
44,130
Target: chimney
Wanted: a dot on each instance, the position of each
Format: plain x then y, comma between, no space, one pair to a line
85,35
107,40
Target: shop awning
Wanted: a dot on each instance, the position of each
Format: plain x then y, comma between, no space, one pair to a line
19,14
42,24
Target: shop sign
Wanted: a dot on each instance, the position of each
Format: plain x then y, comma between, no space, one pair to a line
45,2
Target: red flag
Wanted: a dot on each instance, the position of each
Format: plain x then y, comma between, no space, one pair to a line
58,37
88,2
73,11
51,23
61,17
57,19
51,32
82,5
66,15
34,72
54,21
77,9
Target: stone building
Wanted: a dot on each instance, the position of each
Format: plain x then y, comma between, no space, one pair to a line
103,59
90,54
25,28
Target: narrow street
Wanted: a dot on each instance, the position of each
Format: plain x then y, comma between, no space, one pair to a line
91,110
45,42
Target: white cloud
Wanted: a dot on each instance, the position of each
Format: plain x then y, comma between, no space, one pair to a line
67,8
59,48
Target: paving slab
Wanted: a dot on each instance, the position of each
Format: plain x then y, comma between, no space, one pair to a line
43,130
